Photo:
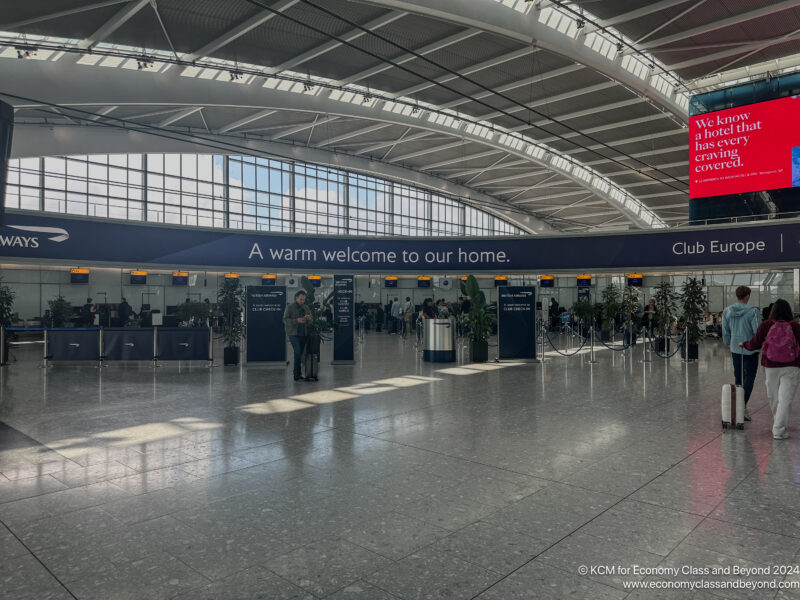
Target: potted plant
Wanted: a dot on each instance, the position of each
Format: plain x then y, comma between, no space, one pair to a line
630,306
479,321
319,322
610,308
230,304
196,313
666,302
694,302
584,312
6,311
60,312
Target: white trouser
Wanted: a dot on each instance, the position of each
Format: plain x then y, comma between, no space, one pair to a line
781,385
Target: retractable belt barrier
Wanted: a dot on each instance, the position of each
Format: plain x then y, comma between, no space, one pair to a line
648,339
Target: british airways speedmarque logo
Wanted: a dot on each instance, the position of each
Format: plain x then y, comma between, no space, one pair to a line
54,234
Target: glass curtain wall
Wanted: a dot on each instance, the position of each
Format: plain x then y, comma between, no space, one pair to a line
240,192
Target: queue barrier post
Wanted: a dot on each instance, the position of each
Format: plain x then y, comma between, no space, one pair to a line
155,346
591,347
210,347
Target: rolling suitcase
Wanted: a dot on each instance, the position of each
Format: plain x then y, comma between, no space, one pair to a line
733,404
311,367
311,358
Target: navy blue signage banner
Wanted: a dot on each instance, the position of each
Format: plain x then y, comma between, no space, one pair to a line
266,334
343,318
82,241
516,322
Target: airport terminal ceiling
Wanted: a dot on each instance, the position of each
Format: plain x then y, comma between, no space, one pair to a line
555,115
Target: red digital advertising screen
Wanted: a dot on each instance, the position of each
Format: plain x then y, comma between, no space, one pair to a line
747,149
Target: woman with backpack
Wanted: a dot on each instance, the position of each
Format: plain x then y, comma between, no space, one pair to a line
779,339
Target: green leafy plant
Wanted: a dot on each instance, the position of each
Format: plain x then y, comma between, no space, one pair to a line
611,305
583,310
60,311
230,304
194,311
6,304
630,302
693,301
482,316
319,321
666,301
584,313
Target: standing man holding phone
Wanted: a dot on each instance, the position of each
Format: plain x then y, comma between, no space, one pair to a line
295,318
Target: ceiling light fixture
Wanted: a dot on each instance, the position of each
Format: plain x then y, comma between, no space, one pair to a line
308,86
235,75
580,24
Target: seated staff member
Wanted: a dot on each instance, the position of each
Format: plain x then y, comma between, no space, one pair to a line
295,318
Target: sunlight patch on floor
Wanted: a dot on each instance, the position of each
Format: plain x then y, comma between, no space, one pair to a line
277,406
324,397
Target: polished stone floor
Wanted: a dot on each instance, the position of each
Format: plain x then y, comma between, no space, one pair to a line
391,478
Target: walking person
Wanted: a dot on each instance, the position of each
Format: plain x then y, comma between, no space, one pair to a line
779,339
740,323
295,318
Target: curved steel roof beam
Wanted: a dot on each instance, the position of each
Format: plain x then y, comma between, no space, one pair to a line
72,84
496,18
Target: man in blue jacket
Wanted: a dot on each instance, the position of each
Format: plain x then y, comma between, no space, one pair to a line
739,324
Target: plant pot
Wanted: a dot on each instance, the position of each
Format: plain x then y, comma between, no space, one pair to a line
694,352
662,345
478,351
230,356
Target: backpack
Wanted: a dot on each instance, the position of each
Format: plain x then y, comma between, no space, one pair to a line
781,345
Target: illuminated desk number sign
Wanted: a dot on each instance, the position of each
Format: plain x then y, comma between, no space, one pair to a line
635,280
316,280
500,280
584,280
268,279
547,281
138,277
390,282
79,275
180,278
424,281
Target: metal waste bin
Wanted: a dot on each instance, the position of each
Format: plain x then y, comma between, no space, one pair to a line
440,342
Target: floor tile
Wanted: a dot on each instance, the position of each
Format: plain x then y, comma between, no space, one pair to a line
537,580
394,535
24,578
429,574
326,566
490,547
